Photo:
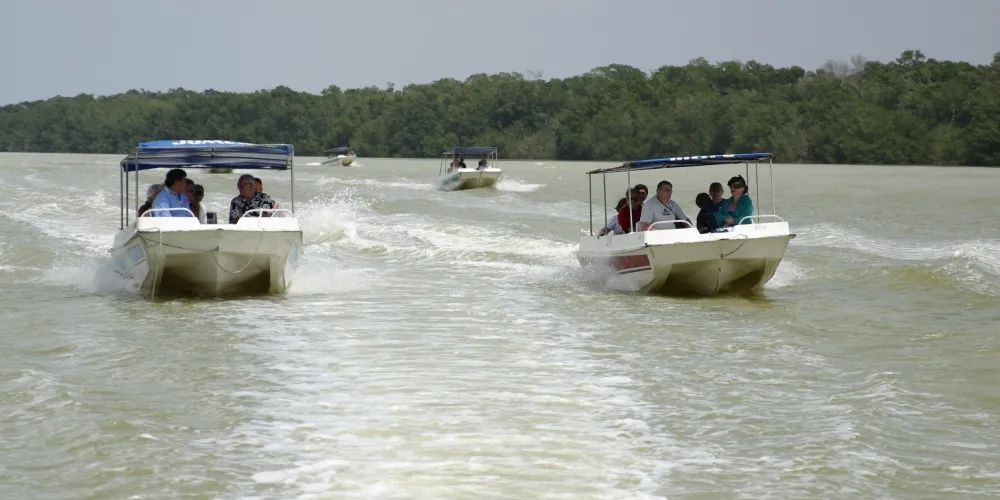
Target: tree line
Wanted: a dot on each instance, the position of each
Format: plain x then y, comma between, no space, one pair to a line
912,110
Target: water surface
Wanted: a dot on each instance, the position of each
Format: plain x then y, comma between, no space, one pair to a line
446,345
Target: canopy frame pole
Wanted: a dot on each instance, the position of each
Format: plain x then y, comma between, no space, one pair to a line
590,201
291,165
628,199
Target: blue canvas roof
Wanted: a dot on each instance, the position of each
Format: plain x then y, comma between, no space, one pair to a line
341,149
470,150
684,161
208,154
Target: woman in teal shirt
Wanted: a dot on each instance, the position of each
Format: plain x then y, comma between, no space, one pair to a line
737,207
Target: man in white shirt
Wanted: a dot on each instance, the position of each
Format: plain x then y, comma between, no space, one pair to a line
661,208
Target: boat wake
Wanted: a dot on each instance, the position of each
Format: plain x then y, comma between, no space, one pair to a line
973,264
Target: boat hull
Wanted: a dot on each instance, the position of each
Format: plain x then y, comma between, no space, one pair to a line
343,161
470,178
685,262
179,257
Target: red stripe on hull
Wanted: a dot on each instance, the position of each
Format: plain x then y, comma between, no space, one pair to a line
622,263
626,262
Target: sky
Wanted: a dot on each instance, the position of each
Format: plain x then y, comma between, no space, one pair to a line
102,47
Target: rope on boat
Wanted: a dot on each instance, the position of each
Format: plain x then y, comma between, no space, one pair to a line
252,257
745,239
161,244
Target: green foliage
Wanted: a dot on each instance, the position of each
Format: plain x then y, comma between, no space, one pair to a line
913,110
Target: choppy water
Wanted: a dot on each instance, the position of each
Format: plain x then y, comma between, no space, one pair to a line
446,345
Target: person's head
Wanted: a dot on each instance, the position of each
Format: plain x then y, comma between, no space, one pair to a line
246,187
189,189
715,191
737,186
702,199
621,203
199,193
643,189
664,189
635,197
152,191
258,184
174,176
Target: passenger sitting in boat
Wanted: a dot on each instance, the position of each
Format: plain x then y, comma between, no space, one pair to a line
483,164
199,194
259,186
612,225
151,192
189,193
661,208
709,205
172,195
702,201
461,162
628,216
248,199
643,190
738,206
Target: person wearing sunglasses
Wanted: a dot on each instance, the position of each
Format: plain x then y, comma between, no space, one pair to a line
736,207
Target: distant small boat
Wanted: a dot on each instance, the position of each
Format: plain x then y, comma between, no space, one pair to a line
343,155
217,170
455,176
179,255
683,260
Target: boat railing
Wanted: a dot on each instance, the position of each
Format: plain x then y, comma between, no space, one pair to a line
665,222
761,216
273,211
151,211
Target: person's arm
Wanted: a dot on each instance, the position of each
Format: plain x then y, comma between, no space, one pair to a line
610,226
270,204
722,214
234,215
160,202
743,209
645,217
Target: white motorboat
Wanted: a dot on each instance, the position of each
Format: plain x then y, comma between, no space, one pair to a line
456,176
684,261
343,156
157,254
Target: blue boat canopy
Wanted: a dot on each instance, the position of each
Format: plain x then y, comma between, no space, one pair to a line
471,151
208,154
341,149
684,161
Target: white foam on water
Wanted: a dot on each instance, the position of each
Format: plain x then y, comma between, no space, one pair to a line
517,186
400,182
356,421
